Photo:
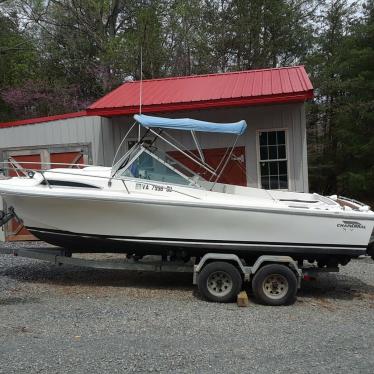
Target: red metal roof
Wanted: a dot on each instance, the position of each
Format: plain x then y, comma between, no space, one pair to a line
31,121
242,88
290,84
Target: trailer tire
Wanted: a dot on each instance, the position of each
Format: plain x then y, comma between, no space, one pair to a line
219,282
275,284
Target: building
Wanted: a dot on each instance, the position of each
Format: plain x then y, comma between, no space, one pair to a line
271,154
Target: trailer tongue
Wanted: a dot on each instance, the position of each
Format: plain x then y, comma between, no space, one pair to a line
5,217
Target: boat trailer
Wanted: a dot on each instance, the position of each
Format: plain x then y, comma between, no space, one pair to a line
5,217
219,276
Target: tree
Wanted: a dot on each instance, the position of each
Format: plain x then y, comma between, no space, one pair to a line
323,64
85,49
18,60
354,134
267,33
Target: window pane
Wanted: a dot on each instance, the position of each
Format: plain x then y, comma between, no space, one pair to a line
263,138
273,152
265,182
147,167
272,137
264,154
282,151
281,137
274,182
282,167
273,168
283,182
264,168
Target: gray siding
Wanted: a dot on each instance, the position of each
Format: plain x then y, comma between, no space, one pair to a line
80,130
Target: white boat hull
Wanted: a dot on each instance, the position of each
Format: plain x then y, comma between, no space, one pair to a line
134,225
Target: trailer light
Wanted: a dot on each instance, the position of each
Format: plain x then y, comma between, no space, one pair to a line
307,278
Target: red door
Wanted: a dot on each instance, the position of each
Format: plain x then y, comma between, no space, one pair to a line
25,161
68,158
234,172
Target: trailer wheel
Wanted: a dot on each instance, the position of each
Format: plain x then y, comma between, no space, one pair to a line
219,282
275,284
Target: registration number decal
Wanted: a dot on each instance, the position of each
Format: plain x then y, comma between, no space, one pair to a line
153,187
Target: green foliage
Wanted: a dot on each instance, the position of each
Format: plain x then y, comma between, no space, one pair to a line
17,53
341,118
18,60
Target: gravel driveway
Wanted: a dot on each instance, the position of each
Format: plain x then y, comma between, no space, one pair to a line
72,320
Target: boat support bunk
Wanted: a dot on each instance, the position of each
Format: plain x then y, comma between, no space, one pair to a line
219,276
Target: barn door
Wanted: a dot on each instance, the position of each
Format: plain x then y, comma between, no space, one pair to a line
31,159
234,173
37,159
73,158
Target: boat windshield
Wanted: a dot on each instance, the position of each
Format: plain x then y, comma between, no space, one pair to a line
152,164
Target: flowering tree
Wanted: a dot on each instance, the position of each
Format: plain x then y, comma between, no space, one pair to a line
41,98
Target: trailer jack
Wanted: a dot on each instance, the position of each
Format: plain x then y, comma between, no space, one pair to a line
5,217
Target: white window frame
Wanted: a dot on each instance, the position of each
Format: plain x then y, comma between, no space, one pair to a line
192,183
258,132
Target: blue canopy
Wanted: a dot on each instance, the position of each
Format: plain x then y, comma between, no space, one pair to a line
191,124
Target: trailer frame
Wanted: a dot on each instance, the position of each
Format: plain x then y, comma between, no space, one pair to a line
60,256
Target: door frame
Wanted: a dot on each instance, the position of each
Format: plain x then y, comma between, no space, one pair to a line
46,150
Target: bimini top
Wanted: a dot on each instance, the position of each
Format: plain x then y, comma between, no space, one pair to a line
189,124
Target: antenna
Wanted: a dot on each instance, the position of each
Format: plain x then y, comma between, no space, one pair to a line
141,80
141,87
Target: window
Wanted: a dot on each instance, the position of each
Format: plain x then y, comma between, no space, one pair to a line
151,166
273,159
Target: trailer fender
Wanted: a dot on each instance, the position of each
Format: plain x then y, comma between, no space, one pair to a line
225,257
276,260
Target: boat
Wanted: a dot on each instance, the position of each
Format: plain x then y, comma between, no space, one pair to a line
147,202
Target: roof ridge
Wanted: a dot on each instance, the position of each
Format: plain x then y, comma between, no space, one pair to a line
212,74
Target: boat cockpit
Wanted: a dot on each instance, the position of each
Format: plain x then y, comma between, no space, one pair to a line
147,162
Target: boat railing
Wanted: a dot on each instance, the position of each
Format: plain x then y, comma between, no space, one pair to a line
351,200
17,165
351,203
30,172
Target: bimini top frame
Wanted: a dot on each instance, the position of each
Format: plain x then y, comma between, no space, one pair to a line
150,123
188,124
